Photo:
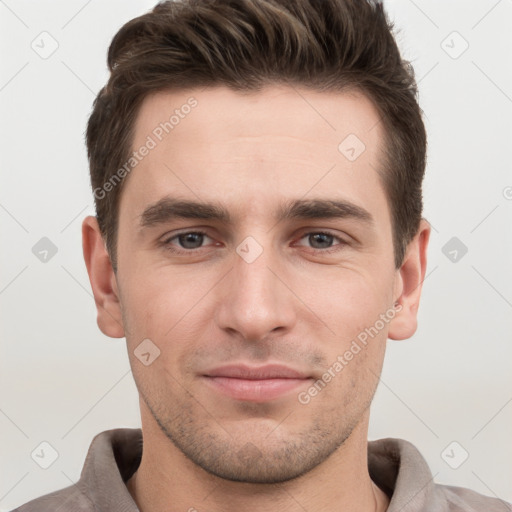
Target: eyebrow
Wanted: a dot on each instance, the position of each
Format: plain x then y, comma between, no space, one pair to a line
168,209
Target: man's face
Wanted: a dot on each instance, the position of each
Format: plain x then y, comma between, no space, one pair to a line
257,291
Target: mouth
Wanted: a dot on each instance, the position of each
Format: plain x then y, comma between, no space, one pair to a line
255,384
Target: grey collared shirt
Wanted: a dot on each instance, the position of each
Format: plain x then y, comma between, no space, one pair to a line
395,465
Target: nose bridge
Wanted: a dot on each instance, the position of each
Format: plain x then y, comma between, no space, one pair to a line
255,301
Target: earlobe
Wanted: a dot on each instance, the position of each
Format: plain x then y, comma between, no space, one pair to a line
410,278
102,279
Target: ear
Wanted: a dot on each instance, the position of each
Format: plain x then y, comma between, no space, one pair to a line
103,279
409,281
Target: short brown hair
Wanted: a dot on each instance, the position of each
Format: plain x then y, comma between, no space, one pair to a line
324,45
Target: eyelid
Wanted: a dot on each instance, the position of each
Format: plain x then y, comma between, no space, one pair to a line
166,239
342,241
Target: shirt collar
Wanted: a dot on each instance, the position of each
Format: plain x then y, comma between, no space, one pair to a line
395,465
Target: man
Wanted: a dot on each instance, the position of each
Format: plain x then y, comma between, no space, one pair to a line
257,169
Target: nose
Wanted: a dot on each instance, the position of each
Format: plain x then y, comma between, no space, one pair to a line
255,299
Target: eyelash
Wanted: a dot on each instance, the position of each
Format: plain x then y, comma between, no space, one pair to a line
167,242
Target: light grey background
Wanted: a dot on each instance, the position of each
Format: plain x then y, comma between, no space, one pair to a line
62,381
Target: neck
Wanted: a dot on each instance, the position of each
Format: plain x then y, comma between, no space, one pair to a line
168,481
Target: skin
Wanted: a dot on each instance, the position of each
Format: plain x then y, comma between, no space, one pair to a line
295,304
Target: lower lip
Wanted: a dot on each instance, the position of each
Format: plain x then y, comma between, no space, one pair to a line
255,390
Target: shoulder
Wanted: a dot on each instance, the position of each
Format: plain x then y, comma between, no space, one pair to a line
73,498
460,499
401,471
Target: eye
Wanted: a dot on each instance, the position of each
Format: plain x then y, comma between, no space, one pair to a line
188,241
322,241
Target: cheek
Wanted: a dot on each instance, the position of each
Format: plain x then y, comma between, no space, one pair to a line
161,303
348,300
155,301
170,312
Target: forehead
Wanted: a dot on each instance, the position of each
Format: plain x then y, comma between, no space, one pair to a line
279,142
274,111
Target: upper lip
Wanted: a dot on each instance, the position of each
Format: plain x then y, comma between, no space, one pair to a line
270,371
